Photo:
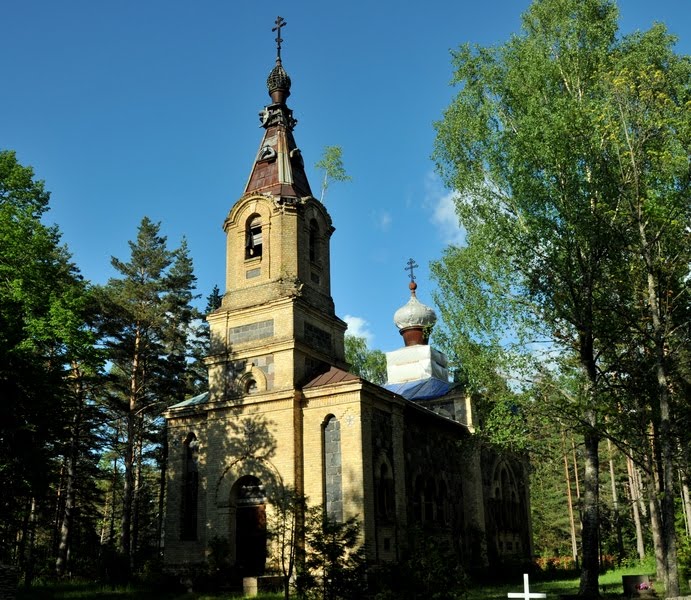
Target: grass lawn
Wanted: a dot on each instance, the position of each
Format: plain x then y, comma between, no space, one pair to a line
610,584
84,591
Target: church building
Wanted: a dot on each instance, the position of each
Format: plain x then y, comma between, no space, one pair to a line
283,412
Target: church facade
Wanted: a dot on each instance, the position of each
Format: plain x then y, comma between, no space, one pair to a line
283,412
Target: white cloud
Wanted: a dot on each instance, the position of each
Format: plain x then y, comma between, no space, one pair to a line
441,202
381,220
384,221
358,327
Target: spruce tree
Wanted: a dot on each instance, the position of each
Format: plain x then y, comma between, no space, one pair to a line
147,314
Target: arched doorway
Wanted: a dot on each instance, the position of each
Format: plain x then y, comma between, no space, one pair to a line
250,525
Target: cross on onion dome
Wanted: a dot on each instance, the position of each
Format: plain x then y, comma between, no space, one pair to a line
280,22
411,265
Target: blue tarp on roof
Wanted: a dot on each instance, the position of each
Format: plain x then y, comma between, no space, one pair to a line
200,399
422,389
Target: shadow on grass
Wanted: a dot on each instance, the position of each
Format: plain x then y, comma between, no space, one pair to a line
610,584
84,591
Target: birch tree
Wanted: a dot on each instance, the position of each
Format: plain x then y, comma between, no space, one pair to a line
568,147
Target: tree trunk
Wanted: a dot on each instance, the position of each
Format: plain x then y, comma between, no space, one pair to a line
66,524
572,522
686,501
667,508
590,534
30,543
114,481
575,471
634,495
666,442
642,506
162,488
104,522
136,492
59,506
128,459
615,503
651,490
590,519
71,474
130,442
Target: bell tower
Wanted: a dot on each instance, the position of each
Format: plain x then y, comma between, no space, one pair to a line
277,325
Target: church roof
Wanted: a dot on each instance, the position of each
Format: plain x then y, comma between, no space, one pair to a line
333,375
278,169
200,399
422,389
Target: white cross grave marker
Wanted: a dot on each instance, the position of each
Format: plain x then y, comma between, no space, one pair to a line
526,594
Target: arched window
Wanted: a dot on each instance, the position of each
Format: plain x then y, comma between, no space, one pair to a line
333,488
250,386
506,505
385,492
253,237
190,489
314,241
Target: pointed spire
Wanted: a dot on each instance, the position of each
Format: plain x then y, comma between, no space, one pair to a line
278,169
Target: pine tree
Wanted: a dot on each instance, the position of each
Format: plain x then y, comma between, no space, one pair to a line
147,315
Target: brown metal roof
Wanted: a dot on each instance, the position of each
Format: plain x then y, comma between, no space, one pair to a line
333,375
278,168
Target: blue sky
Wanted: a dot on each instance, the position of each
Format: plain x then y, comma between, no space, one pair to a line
128,109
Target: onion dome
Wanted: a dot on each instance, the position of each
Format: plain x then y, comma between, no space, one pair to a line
414,319
278,83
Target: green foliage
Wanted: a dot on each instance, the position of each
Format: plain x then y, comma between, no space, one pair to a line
334,559
549,513
366,363
214,300
331,163
684,554
199,340
44,338
429,569
218,557
147,316
288,508
146,325
568,148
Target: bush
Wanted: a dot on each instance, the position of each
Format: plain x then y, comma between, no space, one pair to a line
430,569
684,557
551,564
334,561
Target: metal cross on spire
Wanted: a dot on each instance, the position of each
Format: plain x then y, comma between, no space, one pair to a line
411,265
280,22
